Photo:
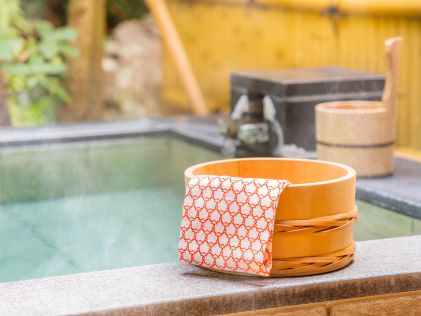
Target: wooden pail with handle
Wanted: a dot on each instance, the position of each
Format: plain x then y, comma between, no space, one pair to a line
362,134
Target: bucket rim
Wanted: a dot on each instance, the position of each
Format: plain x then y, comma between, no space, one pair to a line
350,172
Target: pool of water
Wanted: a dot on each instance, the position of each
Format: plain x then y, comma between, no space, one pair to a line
102,205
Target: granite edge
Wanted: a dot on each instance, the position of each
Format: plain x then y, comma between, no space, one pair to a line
271,298
355,281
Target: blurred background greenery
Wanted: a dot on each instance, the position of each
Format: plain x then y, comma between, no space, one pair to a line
36,46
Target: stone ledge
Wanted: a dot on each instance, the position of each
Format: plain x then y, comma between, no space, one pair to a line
381,266
398,193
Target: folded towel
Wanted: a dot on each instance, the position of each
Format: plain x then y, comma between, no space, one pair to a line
228,223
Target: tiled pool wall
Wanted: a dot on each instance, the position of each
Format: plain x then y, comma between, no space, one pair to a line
54,171
385,272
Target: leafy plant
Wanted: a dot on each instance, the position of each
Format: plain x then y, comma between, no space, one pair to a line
32,60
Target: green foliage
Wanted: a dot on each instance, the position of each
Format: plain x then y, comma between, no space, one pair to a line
11,14
32,59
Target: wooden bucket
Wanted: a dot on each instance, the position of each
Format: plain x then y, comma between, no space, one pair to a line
361,134
316,212
356,133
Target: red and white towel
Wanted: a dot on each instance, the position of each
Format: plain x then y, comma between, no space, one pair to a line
228,223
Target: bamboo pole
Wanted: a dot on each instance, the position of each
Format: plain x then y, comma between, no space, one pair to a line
85,75
179,56
4,110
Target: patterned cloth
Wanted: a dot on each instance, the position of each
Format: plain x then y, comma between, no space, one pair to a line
228,223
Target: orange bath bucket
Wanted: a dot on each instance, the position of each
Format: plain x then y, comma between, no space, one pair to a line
315,215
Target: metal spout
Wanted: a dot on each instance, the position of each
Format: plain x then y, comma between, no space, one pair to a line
249,128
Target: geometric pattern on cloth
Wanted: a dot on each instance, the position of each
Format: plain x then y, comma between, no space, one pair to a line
228,222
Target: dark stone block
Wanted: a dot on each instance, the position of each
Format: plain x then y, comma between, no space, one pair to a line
295,93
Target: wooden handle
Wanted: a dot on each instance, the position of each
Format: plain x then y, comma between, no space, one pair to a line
170,36
390,93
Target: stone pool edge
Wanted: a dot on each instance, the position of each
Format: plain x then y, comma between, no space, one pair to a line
381,267
195,130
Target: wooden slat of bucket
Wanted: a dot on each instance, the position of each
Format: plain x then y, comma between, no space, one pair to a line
390,93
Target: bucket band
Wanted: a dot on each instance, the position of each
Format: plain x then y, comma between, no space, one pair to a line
380,145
